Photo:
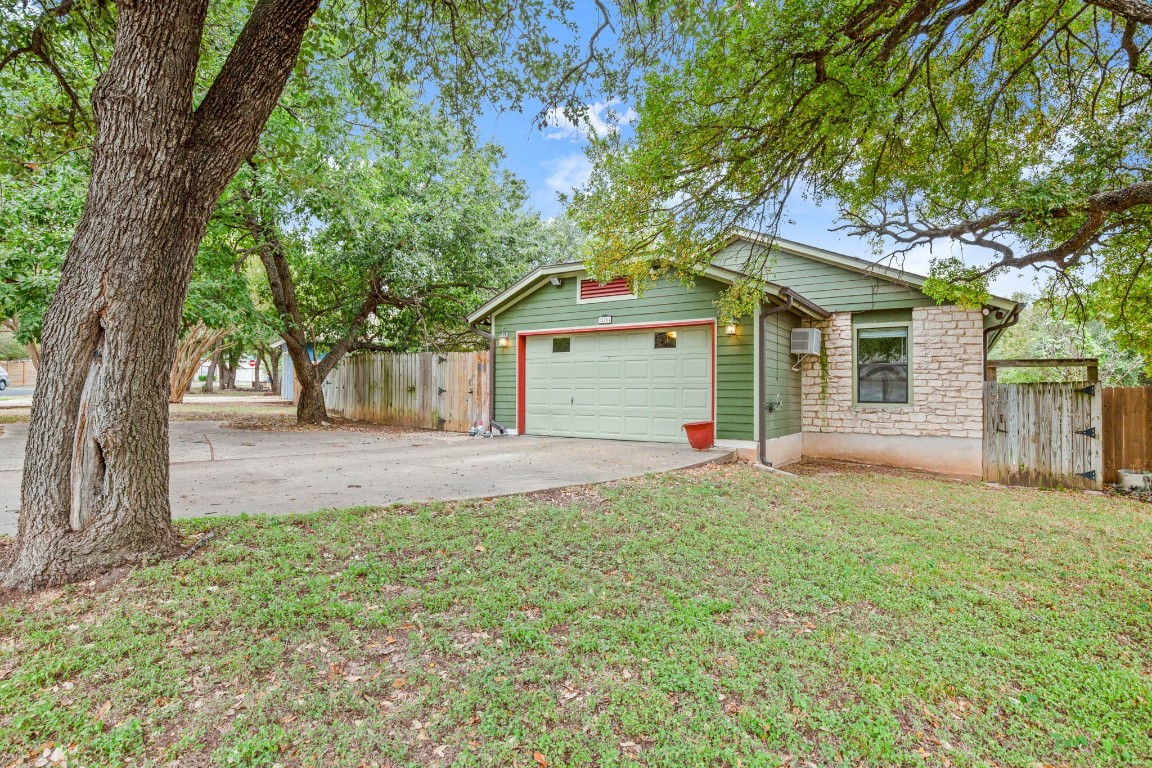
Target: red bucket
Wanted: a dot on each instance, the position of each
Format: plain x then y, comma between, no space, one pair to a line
701,434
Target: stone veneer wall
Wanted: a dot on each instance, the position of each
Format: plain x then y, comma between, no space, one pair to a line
947,380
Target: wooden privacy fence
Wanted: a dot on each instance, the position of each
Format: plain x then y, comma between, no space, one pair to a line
1044,434
1127,429
21,373
431,390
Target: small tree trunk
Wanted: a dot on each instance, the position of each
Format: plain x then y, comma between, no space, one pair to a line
275,355
210,379
228,372
311,408
190,354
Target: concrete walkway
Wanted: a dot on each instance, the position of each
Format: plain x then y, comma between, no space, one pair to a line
218,471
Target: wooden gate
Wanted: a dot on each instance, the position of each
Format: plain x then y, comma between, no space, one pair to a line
1127,431
1046,434
431,390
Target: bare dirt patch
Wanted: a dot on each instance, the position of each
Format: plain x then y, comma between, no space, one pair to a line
583,495
281,423
832,468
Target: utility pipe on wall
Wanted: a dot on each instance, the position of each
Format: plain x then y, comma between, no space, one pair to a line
762,383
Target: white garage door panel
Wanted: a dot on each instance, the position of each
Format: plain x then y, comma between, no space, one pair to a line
616,384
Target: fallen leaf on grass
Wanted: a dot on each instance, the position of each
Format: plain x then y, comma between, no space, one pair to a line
539,758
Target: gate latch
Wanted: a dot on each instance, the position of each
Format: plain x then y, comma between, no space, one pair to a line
1090,432
1088,390
1089,475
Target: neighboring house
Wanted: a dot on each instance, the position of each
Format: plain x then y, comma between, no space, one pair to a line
898,379
289,381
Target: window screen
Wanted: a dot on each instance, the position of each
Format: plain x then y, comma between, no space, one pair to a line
665,340
882,365
562,344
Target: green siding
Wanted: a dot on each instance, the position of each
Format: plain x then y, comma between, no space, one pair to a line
883,316
667,301
779,378
834,288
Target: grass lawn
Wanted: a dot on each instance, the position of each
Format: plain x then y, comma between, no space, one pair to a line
718,616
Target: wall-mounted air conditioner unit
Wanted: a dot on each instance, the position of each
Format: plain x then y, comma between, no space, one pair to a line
805,341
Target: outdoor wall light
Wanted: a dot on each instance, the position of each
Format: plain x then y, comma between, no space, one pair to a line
671,334
503,339
730,329
556,281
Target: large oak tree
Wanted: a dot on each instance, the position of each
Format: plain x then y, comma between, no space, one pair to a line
178,106
1018,129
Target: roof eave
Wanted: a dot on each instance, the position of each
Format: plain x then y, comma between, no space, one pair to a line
499,300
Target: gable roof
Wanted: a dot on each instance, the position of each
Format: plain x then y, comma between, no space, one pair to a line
851,263
540,275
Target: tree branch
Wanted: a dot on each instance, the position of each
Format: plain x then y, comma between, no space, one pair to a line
1137,11
1096,209
237,105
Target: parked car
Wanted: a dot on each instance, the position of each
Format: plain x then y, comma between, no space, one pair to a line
3,379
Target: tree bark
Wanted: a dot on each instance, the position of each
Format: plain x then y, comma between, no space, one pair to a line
95,484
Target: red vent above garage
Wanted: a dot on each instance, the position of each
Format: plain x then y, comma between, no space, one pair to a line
590,289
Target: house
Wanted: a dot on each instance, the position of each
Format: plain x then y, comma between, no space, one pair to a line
895,378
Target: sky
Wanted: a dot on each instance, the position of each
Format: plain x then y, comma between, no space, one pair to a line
552,161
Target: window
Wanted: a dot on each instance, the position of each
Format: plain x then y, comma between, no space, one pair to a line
882,365
562,344
665,340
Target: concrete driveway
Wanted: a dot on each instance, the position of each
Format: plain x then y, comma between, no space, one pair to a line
218,471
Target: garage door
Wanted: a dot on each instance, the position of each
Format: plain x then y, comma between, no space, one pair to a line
623,385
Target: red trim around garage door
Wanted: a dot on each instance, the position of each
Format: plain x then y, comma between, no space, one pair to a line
522,346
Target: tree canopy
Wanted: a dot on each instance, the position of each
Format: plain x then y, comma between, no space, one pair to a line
1018,130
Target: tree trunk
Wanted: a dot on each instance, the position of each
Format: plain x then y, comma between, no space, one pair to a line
33,349
269,358
274,357
228,371
310,409
33,353
95,484
190,353
210,379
